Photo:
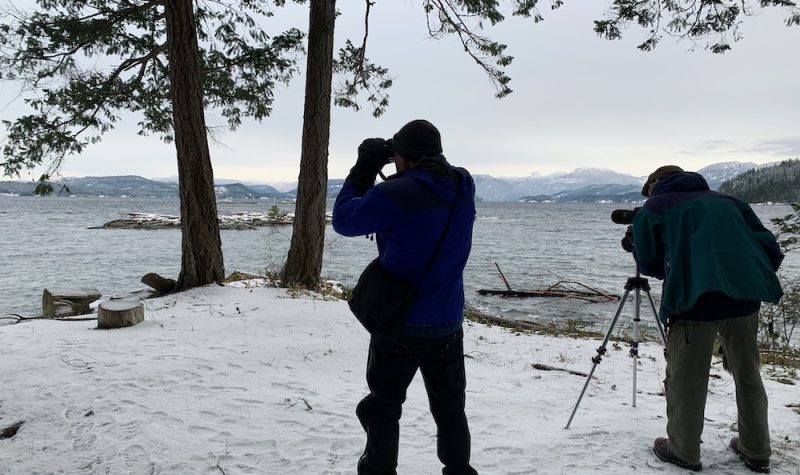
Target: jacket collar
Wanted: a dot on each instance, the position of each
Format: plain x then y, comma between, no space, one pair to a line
437,165
685,181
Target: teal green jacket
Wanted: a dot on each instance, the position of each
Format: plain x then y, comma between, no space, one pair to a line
701,241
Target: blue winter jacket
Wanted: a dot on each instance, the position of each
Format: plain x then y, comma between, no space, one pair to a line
407,213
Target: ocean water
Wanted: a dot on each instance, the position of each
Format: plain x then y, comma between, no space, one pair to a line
46,242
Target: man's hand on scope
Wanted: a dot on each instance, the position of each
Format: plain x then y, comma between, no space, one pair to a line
627,240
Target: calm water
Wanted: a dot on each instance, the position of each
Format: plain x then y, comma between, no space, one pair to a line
46,242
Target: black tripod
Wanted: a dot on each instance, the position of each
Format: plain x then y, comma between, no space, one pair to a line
638,284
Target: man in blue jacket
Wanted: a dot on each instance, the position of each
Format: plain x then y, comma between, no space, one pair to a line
718,263
408,213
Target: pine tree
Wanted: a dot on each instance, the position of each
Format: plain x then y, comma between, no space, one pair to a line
171,60
304,261
779,184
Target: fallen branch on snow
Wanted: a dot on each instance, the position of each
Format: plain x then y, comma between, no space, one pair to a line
545,367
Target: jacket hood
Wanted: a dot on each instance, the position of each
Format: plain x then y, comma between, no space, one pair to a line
440,177
685,181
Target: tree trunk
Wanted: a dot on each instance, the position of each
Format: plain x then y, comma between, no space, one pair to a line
304,262
201,248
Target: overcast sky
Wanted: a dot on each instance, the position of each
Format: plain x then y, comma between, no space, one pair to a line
578,101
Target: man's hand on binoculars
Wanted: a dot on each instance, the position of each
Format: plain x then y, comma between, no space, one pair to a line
373,154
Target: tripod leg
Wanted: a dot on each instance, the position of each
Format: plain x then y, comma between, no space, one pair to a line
635,341
661,333
600,352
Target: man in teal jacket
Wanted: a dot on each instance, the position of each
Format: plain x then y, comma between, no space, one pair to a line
718,263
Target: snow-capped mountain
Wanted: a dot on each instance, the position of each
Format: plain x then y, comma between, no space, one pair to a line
511,189
718,173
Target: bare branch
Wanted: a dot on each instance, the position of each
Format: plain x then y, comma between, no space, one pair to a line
359,74
469,40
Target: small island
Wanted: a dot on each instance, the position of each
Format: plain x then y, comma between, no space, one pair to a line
236,221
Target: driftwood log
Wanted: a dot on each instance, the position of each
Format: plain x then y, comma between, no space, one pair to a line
550,292
561,289
237,276
161,284
505,322
58,303
119,313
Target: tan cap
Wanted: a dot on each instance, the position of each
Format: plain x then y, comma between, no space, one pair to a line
660,173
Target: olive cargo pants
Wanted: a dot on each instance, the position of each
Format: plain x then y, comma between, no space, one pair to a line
690,345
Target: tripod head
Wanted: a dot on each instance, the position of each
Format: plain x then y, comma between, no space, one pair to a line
637,283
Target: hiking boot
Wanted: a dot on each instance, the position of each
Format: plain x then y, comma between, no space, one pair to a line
756,465
662,451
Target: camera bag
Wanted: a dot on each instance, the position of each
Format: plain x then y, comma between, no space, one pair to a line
381,301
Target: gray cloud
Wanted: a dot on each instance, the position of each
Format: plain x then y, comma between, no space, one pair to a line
781,147
706,146
785,147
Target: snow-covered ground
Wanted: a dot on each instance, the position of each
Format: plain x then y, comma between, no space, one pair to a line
241,380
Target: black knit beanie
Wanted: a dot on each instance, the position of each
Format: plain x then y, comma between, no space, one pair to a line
417,139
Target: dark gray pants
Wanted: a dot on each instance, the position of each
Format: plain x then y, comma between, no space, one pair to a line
690,345
391,366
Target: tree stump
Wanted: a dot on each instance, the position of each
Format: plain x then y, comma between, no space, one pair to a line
66,302
119,313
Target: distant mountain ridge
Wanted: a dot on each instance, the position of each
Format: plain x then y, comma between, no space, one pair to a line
602,194
718,173
134,187
582,185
